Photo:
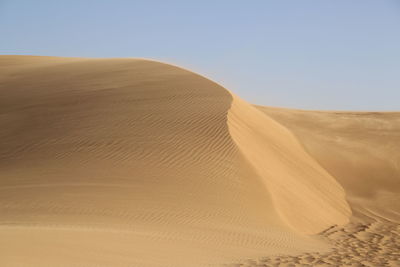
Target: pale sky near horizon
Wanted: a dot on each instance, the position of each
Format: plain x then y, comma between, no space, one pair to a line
309,54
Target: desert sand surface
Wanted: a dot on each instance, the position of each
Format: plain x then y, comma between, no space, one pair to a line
131,162
361,150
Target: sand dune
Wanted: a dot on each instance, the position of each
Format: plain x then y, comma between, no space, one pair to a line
304,194
128,162
360,149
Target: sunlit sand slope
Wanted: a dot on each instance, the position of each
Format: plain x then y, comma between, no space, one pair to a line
361,150
124,162
304,194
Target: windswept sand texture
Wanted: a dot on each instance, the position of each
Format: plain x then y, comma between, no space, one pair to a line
361,150
127,162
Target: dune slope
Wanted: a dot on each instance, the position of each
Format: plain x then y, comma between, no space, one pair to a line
360,149
128,162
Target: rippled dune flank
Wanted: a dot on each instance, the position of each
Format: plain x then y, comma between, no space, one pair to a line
129,162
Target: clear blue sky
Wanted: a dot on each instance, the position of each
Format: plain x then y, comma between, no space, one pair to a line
312,54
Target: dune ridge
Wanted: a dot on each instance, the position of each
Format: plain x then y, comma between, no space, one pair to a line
131,162
360,150
306,196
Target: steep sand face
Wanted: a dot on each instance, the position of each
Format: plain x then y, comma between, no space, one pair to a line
360,149
124,162
305,195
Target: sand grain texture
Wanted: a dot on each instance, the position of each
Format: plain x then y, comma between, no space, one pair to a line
128,162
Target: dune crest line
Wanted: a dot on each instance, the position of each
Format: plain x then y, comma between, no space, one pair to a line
304,194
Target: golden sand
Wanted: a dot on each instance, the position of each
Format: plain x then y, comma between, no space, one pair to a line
128,162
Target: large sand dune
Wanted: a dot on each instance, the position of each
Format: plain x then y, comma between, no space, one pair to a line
127,162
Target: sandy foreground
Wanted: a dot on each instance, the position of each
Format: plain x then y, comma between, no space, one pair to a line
128,162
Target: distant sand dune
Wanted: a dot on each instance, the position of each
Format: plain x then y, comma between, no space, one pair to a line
128,162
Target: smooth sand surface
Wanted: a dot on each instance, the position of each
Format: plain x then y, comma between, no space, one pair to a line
361,150
129,162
